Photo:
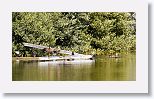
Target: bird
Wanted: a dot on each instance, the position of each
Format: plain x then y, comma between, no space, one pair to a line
115,56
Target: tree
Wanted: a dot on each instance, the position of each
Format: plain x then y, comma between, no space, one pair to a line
77,31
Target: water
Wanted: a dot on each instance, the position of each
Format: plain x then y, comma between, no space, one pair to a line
100,69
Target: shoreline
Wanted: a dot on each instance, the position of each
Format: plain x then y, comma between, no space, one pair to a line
25,58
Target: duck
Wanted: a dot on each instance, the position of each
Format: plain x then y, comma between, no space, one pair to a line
115,56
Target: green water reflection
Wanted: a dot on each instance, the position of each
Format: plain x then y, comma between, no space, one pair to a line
100,69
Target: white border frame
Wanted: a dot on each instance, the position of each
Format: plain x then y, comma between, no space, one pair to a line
138,86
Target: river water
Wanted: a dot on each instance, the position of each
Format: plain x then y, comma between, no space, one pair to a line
100,69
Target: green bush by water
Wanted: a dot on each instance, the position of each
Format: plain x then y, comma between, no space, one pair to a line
83,32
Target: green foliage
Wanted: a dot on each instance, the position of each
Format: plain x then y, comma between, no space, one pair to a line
83,32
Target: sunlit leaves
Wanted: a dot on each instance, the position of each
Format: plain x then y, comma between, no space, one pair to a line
79,31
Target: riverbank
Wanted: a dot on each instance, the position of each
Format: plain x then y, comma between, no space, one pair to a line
72,57
25,58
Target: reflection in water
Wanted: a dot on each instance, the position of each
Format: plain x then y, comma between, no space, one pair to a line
67,63
100,69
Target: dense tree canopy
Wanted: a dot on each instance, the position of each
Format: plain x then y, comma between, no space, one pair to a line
83,32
